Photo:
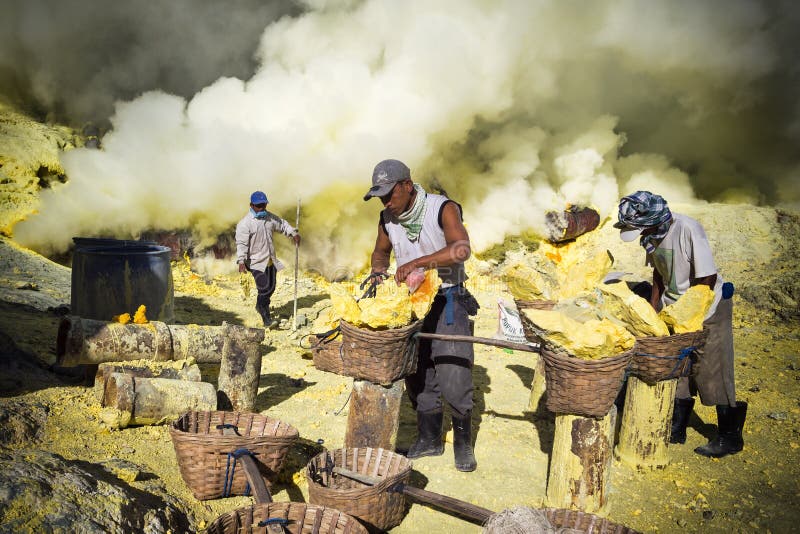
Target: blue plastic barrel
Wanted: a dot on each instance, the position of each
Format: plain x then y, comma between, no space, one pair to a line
111,277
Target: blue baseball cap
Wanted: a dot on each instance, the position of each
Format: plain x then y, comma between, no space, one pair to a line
258,198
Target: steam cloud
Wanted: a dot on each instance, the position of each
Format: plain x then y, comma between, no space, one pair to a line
513,108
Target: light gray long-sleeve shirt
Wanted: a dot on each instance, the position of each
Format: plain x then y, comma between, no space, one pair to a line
254,245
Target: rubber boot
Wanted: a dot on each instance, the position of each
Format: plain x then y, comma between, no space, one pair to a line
462,443
730,421
680,418
429,435
269,322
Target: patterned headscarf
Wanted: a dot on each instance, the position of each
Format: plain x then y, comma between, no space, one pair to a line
643,210
412,219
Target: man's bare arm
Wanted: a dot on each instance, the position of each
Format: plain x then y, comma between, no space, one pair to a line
382,252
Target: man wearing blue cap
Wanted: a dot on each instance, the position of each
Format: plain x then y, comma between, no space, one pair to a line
425,231
679,252
255,250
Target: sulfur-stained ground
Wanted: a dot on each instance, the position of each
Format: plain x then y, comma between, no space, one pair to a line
754,491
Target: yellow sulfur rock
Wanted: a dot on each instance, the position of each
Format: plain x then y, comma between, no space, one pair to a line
123,318
344,304
140,316
422,298
688,312
577,273
391,307
636,314
528,283
591,340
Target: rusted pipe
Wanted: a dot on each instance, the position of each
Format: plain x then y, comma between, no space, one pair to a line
569,224
86,341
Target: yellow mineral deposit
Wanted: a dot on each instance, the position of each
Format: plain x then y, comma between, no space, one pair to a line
688,312
140,317
557,272
621,305
123,318
591,340
422,298
391,307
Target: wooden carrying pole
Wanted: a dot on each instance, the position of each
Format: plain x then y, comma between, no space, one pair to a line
581,462
374,415
296,268
646,422
525,347
463,509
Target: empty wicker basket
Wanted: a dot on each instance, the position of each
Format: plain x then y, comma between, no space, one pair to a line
379,356
664,357
375,506
204,453
298,518
583,387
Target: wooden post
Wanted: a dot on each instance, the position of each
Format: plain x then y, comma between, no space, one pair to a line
581,462
240,368
374,415
646,422
147,401
536,403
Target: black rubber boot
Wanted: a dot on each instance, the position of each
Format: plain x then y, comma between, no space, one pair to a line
429,435
462,443
680,418
730,421
263,311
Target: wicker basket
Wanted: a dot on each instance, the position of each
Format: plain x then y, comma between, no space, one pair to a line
374,505
664,357
380,356
301,517
583,387
584,522
329,357
203,451
531,333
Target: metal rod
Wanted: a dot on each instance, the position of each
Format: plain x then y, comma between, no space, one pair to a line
482,340
296,260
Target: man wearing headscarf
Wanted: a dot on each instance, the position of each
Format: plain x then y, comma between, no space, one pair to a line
425,231
255,250
679,252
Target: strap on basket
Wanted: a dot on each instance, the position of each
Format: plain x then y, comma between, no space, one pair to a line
223,426
273,521
685,353
230,469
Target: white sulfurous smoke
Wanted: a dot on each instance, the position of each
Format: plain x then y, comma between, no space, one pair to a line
512,108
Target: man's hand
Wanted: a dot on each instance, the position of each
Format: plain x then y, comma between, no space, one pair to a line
242,268
403,271
296,239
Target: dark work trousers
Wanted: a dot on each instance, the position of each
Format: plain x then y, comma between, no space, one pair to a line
265,284
445,367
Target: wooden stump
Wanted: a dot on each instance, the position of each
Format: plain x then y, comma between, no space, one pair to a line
536,403
374,415
147,401
646,422
240,368
580,464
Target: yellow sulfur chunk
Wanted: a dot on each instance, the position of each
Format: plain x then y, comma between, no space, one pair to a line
140,316
325,321
123,318
577,273
688,312
635,313
528,283
592,340
422,298
391,307
344,305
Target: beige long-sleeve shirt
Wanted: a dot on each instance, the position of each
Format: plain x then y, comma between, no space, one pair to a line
254,245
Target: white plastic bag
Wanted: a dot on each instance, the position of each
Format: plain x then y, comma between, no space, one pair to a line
509,325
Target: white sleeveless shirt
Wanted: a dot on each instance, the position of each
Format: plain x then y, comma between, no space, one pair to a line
431,239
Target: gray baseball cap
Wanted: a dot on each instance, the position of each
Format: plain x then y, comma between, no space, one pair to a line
387,173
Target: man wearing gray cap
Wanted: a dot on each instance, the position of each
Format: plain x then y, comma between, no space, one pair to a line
425,231
255,250
681,257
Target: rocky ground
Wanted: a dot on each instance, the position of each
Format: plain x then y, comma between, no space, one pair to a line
63,471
